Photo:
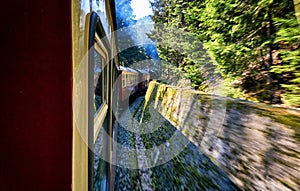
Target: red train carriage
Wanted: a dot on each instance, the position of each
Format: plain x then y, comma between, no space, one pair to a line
129,80
132,83
144,78
53,111
52,114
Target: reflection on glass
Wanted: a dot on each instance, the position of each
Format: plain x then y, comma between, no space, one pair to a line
97,80
100,166
105,82
99,7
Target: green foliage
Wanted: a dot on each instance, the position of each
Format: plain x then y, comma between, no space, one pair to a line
228,90
193,73
176,46
288,40
255,41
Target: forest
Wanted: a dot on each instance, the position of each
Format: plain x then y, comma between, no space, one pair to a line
253,46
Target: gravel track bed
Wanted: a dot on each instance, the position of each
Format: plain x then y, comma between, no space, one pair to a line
188,170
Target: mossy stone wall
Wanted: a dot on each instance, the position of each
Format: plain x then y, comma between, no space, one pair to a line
256,145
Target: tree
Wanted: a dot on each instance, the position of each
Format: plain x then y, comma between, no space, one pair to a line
176,44
288,40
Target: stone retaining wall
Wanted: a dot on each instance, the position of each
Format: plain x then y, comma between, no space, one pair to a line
256,145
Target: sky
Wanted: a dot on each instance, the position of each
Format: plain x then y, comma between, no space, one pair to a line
138,26
141,8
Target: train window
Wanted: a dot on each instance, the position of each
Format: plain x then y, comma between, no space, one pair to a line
100,165
100,74
98,121
129,79
98,80
101,92
99,6
123,81
101,69
105,81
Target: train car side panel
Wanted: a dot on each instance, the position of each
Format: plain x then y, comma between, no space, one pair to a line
36,109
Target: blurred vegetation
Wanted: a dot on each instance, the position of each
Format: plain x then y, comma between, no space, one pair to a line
255,44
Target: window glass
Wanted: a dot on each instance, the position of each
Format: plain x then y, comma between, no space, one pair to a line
98,81
123,82
100,166
105,81
129,79
99,7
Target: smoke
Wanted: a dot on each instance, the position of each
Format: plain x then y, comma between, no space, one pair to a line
126,18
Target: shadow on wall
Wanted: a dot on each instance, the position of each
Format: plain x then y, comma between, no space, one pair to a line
257,145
